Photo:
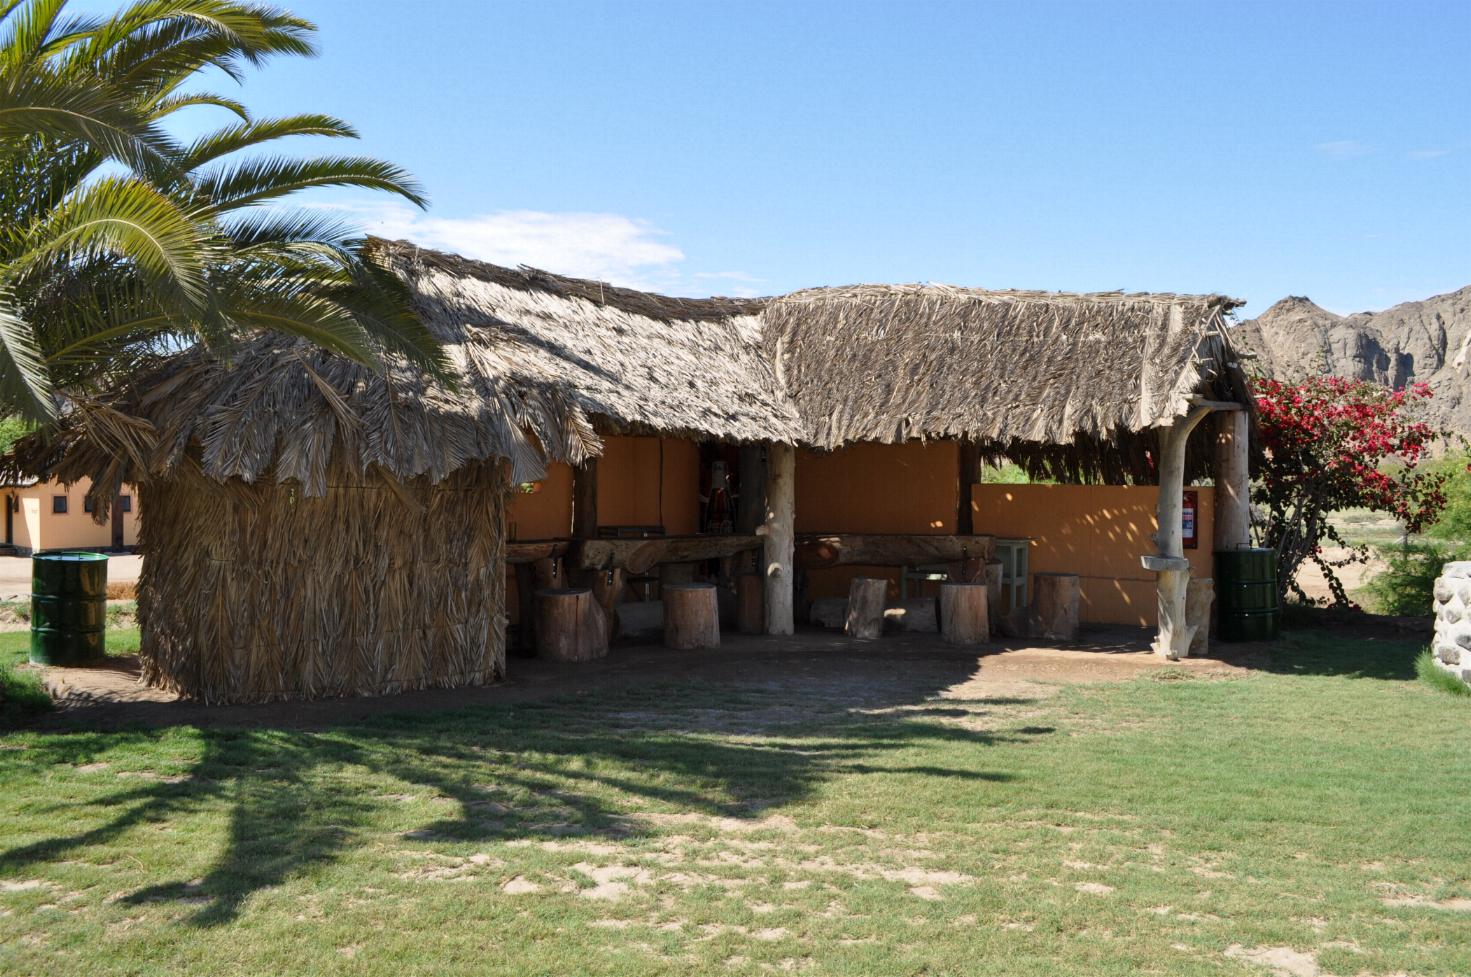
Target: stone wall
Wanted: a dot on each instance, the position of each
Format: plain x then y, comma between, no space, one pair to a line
1453,619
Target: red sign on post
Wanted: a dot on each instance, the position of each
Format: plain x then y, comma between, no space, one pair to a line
1188,522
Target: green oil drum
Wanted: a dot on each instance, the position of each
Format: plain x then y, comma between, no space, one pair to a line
68,608
1246,594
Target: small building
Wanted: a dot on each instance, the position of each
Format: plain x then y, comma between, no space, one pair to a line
47,515
334,531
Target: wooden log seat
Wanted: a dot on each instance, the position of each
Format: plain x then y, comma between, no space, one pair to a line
691,616
865,620
639,556
964,613
1053,613
994,610
570,626
1199,596
891,550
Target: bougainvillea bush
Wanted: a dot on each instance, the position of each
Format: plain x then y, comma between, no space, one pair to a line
1332,444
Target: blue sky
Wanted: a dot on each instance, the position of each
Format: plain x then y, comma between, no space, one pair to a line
1258,149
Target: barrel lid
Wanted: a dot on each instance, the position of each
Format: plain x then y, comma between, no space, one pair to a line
1247,551
70,557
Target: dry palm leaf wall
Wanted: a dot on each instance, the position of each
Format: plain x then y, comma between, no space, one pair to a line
253,593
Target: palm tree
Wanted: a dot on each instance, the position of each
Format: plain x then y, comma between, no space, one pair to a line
118,244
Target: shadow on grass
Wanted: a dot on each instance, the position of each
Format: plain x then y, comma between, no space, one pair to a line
575,767
1337,650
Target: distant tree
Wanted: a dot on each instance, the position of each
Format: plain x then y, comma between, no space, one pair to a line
1333,444
118,242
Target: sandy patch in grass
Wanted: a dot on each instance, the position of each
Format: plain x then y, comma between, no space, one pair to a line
1094,888
1281,960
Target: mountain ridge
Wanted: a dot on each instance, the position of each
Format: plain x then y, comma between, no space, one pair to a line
1426,341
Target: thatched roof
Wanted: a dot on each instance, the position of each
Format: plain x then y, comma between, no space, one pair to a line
1027,374
1071,385
632,361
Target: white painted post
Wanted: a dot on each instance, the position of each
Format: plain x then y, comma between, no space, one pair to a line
780,539
1175,633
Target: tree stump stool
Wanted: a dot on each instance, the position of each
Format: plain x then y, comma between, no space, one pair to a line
994,572
750,604
607,590
570,626
691,616
1199,596
865,619
1054,611
964,613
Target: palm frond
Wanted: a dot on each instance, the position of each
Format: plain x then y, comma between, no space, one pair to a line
24,384
169,104
260,180
127,218
80,110
242,135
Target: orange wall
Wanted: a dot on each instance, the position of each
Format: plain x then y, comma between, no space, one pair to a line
629,484
35,527
1097,531
878,488
875,488
628,491
628,495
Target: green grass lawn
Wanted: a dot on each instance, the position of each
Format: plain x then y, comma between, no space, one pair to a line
915,824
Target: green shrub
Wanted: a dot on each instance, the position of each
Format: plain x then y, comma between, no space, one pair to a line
1432,674
1407,585
1455,520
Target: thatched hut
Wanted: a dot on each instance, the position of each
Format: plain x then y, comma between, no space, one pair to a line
318,529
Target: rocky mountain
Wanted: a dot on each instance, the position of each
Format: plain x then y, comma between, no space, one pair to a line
1428,341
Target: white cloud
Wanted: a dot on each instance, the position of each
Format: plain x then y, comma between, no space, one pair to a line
1343,149
1428,153
608,247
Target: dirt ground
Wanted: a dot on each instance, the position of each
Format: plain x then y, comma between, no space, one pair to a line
15,573
1354,576
114,695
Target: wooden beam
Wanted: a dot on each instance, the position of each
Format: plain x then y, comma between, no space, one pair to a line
532,550
1175,634
1217,405
891,550
1233,482
638,556
969,474
585,500
778,531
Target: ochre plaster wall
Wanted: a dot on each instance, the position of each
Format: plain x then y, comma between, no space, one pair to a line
1097,531
875,488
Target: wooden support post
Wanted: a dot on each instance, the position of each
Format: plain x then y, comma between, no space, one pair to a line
865,619
964,613
569,625
1175,633
778,532
750,489
969,474
691,616
1233,481
585,500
